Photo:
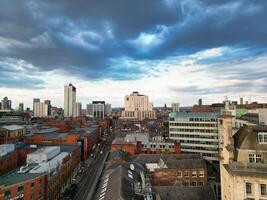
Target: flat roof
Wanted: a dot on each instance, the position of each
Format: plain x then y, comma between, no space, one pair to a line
14,177
13,127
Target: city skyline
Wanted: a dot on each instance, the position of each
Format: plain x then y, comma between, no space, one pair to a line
171,50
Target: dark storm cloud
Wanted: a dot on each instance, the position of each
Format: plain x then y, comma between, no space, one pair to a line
83,36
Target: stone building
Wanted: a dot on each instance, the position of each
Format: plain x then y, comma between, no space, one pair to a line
242,161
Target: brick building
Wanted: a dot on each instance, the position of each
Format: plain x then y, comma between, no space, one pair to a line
141,143
182,169
14,157
87,137
41,179
11,133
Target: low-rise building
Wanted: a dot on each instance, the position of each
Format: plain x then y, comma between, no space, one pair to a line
87,137
45,176
137,143
11,133
180,170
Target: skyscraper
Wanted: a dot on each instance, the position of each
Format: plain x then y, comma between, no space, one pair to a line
77,109
40,109
69,100
21,107
48,103
33,104
175,107
6,104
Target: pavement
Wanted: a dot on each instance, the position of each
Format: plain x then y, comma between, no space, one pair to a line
89,178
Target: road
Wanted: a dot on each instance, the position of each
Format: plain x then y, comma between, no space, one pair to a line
90,176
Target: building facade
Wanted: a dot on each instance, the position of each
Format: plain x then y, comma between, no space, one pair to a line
41,109
242,161
175,107
138,106
98,109
11,133
197,133
6,104
69,100
77,109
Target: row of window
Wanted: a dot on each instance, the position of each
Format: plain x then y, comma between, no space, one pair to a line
193,174
255,158
194,136
203,119
20,190
193,130
262,187
199,142
201,148
157,146
193,124
193,183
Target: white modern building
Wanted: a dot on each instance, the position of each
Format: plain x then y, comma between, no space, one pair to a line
96,109
175,107
69,100
197,133
138,106
77,109
40,109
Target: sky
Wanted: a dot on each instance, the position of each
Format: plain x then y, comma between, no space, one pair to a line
170,50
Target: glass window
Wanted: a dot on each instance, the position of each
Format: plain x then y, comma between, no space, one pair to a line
179,174
194,174
257,158
263,189
186,174
194,183
20,189
248,188
32,185
201,183
262,137
7,194
201,174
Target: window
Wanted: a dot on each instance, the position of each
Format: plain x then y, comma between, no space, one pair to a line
186,174
256,158
201,183
248,188
186,183
32,185
263,189
194,183
194,174
201,174
262,138
20,189
7,194
179,174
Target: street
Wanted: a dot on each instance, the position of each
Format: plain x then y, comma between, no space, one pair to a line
90,177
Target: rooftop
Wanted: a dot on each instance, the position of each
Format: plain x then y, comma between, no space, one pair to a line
13,127
172,161
14,177
184,192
